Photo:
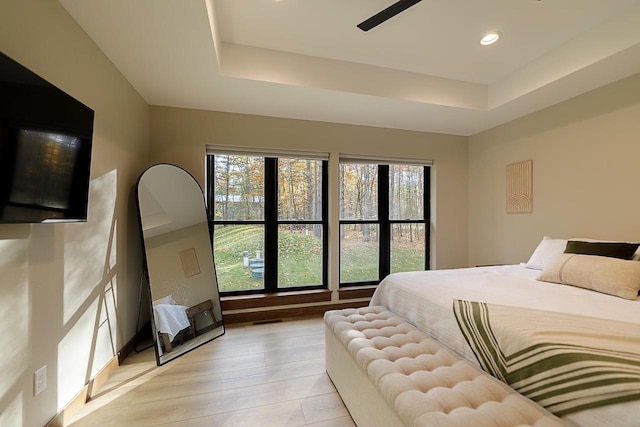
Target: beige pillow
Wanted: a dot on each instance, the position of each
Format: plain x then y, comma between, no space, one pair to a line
611,276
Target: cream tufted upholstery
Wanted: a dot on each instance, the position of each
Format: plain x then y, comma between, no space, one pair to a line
424,383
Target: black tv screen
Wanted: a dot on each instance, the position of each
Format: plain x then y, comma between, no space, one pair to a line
45,149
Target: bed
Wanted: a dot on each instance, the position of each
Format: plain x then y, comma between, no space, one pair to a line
435,302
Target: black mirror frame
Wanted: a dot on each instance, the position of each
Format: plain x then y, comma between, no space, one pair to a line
145,269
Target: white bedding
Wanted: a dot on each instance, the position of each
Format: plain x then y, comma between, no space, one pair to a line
170,318
425,299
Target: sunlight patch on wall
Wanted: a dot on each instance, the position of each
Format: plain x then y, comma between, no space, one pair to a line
15,314
105,347
89,249
113,259
12,414
75,354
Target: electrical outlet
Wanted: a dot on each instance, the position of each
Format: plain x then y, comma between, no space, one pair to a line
39,380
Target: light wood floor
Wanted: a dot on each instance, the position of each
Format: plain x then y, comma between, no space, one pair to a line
257,375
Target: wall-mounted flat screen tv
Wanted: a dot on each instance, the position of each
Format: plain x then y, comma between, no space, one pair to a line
45,149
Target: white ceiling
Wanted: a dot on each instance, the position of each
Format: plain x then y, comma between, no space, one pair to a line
422,70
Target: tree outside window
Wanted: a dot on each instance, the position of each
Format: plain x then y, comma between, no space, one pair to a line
383,220
268,217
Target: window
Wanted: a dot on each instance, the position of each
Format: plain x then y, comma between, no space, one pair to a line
384,220
269,221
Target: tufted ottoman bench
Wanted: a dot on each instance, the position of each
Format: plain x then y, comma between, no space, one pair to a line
388,373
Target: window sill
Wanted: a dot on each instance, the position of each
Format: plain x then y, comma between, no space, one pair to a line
356,292
240,302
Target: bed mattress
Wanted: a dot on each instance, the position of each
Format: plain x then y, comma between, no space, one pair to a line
425,299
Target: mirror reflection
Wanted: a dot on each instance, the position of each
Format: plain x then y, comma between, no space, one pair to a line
181,275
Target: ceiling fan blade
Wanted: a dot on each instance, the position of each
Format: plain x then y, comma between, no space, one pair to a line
387,13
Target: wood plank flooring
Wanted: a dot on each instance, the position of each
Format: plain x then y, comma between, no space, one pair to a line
268,375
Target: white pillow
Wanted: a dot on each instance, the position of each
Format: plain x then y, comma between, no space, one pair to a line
165,300
546,250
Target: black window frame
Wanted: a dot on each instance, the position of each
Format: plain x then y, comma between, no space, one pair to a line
385,224
271,224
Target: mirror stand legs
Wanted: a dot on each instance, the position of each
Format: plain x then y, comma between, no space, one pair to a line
137,338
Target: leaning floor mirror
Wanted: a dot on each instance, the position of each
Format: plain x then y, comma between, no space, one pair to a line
178,260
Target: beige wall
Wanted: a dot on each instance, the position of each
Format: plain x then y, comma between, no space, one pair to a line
69,293
179,136
585,154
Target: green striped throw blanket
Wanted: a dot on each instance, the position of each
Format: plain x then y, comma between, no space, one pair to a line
564,362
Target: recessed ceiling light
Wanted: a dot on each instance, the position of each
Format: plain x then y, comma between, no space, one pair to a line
490,38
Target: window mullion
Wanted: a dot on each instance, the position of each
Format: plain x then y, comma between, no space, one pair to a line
383,219
426,200
210,172
271,224
325,222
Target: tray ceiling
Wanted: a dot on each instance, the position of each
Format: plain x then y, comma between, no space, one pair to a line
422,70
